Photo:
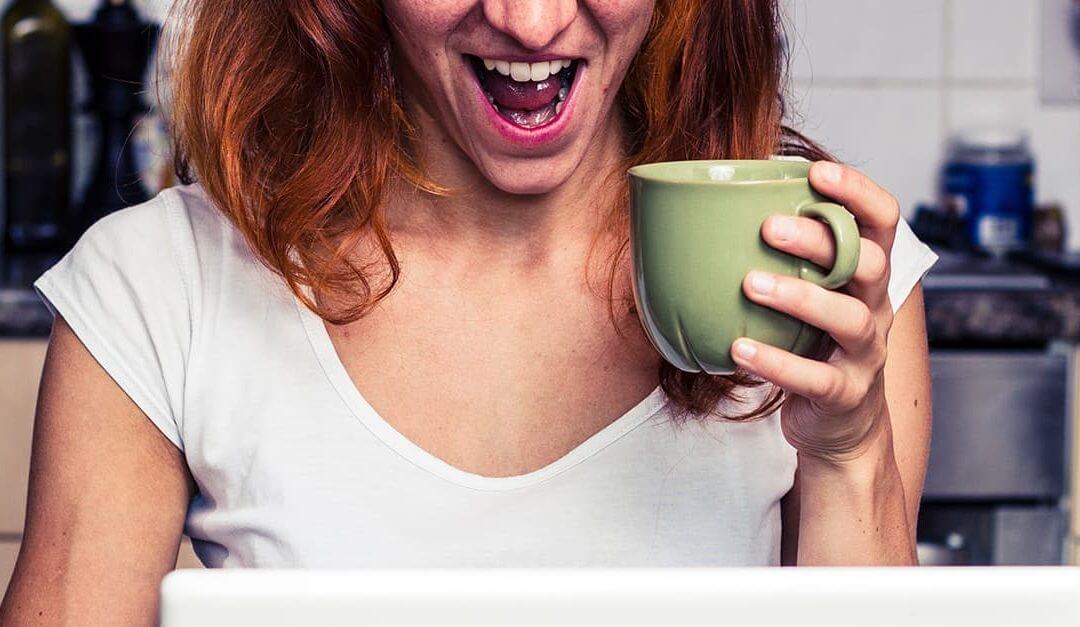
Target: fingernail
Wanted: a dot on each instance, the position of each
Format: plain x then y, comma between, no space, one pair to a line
783,228
762,282
830,171
745,349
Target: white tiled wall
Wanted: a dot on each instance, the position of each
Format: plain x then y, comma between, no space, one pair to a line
993,39
870,51
884,83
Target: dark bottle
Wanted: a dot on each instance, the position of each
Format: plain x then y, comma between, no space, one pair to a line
117,45
37,125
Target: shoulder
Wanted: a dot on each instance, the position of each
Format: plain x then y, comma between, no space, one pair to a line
156,263
178,242
135,288
180,221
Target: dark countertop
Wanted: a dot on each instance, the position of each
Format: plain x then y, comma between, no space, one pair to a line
969,301
1023,301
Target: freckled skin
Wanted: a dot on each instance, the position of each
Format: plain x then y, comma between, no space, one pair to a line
430,38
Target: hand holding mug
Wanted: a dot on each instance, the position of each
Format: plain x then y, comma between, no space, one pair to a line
702,231
833,408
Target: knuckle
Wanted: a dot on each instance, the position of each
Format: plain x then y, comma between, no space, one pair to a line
857,393
848,174
846,392
865,324
830,388
874,259
779,369
891,216
859,180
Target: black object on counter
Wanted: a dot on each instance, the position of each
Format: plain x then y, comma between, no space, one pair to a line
117,46
937,227
37,127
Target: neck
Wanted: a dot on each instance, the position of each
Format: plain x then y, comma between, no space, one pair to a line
478,223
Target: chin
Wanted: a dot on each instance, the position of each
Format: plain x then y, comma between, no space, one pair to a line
530,176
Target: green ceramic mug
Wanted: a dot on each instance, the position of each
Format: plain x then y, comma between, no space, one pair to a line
695,232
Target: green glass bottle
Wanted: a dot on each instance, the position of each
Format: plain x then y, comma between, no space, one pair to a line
37,125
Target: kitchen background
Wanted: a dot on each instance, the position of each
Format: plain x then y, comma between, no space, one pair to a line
891,87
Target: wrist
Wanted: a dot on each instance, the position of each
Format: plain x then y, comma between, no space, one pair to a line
862,495
871,463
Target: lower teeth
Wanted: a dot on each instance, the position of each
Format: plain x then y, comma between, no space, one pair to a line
535,117
531,119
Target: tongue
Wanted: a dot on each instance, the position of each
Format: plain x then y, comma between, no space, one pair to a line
526,96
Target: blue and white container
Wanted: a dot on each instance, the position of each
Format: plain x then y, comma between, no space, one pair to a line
989,182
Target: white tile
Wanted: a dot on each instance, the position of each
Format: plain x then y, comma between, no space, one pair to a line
892,134
1059,55
993,39
865,39
970,107
1056,144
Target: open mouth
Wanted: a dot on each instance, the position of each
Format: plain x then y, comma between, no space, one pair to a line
529,95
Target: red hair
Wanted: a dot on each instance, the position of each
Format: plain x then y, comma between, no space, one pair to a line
288,115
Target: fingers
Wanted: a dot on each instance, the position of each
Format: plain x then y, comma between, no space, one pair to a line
803,237
876,210
812,240
849,320
812,379
871,274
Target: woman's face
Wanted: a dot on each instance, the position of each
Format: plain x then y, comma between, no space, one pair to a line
522,87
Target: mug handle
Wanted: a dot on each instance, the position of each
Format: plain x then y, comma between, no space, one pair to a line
846,234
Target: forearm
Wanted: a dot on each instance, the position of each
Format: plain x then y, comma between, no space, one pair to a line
853,512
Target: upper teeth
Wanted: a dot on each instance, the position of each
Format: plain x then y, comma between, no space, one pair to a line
522,72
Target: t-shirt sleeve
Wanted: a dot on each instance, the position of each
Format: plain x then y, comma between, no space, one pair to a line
124,291
910,260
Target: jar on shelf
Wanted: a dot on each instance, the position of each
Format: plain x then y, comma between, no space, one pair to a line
989,182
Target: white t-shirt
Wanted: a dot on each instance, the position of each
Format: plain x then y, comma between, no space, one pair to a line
295,468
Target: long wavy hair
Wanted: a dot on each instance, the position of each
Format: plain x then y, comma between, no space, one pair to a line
289,116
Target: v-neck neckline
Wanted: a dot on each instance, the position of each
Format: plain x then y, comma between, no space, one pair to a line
338,375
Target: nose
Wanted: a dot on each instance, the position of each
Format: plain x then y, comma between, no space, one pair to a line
533,23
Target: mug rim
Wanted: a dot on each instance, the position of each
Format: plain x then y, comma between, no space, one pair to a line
642,171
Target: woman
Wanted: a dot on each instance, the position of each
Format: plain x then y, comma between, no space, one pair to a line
389,325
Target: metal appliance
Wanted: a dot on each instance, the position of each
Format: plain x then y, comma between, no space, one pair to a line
996,488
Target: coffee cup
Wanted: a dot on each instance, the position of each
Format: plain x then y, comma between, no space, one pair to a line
695,233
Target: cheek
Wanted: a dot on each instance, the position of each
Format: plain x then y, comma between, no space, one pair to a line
427,17
621,20
422,27
623,25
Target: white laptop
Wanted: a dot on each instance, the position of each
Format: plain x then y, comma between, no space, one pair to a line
810,597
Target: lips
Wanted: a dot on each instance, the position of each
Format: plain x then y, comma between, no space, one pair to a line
529,96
